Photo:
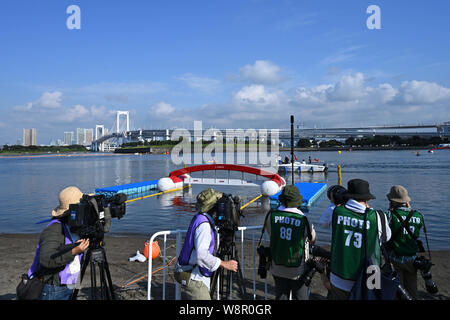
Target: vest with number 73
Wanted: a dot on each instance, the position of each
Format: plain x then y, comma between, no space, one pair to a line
347,247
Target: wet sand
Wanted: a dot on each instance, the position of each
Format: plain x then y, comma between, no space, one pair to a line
130,278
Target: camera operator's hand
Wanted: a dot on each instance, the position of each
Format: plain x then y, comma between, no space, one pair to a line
82,247
231,265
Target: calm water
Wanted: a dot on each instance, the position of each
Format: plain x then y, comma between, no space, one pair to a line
30,187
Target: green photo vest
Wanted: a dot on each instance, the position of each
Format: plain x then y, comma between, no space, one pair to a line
287,238
347,247
404,244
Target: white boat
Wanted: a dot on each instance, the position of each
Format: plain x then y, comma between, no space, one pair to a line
303,167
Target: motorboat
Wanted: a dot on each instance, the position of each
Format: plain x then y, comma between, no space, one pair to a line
302,167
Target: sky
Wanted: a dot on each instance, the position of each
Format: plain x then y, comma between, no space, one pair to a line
229,64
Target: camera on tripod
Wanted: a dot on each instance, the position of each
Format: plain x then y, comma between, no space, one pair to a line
228,213
91,218
227,219
424,265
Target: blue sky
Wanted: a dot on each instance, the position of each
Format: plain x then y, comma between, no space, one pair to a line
241,64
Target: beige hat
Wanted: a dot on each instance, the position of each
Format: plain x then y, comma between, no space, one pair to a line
398,194
68,196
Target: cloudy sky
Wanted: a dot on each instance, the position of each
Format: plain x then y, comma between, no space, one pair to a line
235,63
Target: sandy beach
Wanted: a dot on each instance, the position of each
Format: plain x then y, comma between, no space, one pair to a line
130,278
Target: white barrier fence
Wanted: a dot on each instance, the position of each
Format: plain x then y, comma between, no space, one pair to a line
179,244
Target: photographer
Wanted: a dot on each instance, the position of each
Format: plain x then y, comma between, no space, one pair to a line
288,227
403,246
196,262
58,270
347,243
336,195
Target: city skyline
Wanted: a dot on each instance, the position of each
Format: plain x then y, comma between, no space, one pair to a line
235,64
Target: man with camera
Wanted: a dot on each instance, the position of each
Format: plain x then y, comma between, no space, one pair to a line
406,224
59,271
347,238
197,262
289,228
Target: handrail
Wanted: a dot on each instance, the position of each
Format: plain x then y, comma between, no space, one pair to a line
178,234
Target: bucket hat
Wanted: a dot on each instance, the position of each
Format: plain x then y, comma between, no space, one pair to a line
290,197
207,199
358,189
68,196
398,194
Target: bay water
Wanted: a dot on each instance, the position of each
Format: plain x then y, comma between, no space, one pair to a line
30,185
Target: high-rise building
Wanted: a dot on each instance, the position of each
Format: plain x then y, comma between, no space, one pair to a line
80,136
88,136
29,137
68,138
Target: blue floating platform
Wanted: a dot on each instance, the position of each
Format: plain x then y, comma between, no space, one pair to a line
129,189
310,192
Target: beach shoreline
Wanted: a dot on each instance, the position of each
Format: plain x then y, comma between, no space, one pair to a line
130,277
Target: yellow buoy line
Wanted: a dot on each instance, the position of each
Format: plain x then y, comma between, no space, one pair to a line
157,194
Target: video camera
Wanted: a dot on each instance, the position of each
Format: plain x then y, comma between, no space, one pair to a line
91,218
228,213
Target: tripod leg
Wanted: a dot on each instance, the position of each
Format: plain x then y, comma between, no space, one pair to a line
93,282
240,276
103,285
108,275
86,261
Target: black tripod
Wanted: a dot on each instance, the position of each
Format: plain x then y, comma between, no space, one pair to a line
227,251
97,257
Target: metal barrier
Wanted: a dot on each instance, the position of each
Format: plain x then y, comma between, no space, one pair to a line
178,234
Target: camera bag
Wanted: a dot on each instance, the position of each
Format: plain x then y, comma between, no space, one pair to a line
390,279
182,274
29,288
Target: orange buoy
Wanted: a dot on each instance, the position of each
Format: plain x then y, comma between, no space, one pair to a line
155,249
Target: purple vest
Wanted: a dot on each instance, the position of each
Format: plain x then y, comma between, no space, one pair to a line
67,276
188,245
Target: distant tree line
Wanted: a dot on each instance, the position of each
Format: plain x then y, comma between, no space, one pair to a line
34,149
376,141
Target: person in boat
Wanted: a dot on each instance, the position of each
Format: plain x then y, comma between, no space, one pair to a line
290,234
347,238
197,260
403,246
59,271
309,160
286,160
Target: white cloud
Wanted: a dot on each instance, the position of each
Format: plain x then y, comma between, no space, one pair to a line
349,87
349,101
162,109
422,92
48,100
204,84
261,72
51,100
341,55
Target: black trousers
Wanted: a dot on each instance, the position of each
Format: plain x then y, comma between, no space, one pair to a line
284,287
